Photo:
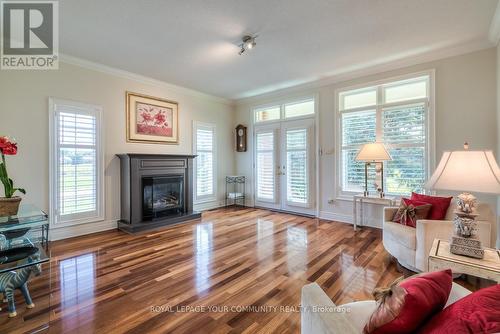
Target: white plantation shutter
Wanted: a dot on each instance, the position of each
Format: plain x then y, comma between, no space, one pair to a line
397,114
297,161
358,128
265,143
405,135
204,162
76,162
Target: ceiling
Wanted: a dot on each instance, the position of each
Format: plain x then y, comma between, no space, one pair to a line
192,43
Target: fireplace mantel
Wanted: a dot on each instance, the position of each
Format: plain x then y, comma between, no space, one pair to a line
157,156
134,169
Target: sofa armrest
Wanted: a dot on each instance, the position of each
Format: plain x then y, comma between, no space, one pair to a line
318,315
428,230
389,213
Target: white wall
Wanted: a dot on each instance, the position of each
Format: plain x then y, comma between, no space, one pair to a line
24,115
465,110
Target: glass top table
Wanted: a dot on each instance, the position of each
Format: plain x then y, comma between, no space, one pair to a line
27,217
18,228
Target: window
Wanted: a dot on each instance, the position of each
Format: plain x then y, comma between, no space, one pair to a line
397,114
299,108
205,174
267,114
76,160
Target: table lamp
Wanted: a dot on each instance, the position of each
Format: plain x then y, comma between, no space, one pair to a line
466,171
373,153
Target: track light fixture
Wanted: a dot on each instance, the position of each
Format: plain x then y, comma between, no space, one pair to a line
248,43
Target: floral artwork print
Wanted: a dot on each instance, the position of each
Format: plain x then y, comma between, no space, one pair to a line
153,120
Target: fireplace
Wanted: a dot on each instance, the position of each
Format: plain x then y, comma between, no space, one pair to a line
162,196
156,190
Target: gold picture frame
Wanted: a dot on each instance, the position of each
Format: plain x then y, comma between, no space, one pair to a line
151,120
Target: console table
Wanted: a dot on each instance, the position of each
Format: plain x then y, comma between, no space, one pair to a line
488,267
386,201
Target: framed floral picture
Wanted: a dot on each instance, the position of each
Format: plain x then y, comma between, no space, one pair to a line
151,120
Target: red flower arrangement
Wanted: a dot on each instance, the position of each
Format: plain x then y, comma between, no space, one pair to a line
7,147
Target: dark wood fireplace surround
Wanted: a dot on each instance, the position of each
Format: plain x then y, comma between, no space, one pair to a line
133,168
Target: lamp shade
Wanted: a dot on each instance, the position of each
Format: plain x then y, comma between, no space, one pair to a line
475,171
373,152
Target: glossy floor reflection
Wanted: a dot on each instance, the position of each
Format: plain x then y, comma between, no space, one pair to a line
203,250
112,282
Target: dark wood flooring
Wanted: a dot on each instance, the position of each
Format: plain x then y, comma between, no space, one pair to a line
201,276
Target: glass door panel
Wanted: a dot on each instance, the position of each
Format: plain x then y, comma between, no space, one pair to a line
266,163
285,166
298,162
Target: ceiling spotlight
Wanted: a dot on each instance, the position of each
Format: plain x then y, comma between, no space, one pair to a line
248,42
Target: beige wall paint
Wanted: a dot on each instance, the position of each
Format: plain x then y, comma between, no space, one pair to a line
465,110
24,115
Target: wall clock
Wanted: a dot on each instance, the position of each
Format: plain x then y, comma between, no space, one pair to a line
241,138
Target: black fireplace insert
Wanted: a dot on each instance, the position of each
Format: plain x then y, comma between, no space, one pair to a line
162,196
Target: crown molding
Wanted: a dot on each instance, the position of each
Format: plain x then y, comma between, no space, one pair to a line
140,78
494,33
376,66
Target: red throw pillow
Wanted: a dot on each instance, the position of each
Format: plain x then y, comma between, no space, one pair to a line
410,211
405,307
439,205
478,312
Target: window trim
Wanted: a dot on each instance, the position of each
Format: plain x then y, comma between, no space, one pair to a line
53,165
430,146
212,197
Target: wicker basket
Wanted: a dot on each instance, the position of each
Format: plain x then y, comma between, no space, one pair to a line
9,206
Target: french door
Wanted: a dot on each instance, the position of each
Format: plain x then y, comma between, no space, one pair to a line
285,166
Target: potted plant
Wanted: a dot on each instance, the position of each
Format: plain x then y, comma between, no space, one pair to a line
9,205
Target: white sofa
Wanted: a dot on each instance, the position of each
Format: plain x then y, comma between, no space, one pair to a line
411,246
317,316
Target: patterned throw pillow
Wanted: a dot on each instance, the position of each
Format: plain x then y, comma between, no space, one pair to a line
406,305
410,211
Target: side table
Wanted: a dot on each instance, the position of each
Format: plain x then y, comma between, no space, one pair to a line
487,267
235,189
24,250
387,201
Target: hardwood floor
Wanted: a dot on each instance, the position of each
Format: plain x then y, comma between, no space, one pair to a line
112,282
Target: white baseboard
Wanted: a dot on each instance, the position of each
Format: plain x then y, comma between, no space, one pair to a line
203,206
82,229
335,216
377,223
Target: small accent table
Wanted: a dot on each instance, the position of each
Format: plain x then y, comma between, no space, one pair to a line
441,258
235,189
387,200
